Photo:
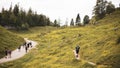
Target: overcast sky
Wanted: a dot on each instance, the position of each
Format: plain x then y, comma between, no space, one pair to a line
57,9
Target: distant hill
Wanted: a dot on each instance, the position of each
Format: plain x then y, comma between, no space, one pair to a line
9,40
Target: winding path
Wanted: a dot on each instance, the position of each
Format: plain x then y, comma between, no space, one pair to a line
78,58
18,54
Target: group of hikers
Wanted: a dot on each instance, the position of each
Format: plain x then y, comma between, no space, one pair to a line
26,46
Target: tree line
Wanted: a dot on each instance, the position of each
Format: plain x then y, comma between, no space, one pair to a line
16,18
78,21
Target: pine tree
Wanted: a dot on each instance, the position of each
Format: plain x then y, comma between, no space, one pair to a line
78,20
0,18
16,10
72,22
86,19
10,9
55,22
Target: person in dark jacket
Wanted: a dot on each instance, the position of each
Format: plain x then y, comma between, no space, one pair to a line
26,49
6,52
30,43
77,48
19,48
9,53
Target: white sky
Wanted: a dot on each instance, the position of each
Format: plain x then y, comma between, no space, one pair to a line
57,9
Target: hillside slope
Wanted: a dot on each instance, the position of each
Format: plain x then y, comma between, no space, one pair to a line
8,40
99,43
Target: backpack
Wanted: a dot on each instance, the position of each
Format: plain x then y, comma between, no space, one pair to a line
77,47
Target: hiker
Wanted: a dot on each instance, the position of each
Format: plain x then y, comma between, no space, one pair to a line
26,48
9,53
6,52
19,48
77,50
30,43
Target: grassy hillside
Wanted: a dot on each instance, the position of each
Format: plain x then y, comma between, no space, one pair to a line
99,43
9,40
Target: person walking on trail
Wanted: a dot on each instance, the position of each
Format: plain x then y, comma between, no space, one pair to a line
26,48
9,53
30,43
6,52
19,48
76,52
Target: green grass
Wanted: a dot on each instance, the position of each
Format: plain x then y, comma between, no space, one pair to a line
8,40
99,43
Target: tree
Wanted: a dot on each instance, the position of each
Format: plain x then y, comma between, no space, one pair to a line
30,17
55,22
16,10
110,8
5,18
86,19
10,9
48,21
0,18
78,20
119,5
99,9
72,22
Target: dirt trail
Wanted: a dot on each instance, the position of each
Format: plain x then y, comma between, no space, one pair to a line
18,54
78,58
91,63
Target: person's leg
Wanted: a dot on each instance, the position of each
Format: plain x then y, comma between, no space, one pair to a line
77,54
6,55
74,51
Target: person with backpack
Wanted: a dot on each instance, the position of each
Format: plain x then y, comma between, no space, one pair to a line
30,43
26,49
76,52
6,52
77,48
9,53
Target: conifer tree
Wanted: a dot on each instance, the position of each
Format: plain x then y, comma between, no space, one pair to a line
78,20
72,22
